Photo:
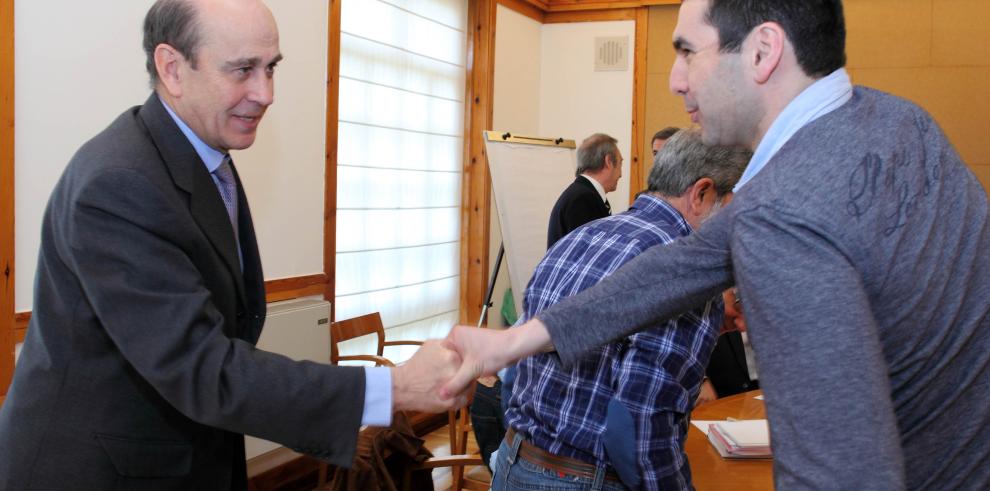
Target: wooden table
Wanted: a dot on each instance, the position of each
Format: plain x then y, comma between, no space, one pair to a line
709,471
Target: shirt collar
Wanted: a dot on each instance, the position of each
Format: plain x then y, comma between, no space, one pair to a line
598,186
211,157
656,209
820,98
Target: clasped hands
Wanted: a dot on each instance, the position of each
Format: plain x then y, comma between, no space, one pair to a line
441,375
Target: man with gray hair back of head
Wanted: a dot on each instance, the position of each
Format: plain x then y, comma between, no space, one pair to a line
598,171
650,380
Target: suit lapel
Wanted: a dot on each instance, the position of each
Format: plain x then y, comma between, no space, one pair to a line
189,174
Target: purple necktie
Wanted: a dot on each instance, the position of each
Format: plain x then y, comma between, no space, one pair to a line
228,191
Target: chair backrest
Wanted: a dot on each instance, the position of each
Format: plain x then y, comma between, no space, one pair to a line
356,327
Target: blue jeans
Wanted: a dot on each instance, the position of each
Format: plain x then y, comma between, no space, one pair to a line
513,473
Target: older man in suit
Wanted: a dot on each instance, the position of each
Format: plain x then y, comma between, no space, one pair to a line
598,172
139,369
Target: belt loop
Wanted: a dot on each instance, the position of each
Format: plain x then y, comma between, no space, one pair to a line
599,480
517,440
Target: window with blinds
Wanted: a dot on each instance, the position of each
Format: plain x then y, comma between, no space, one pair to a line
399,155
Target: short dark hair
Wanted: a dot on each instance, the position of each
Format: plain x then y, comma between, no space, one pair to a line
816,28
665,133
685,159
171,22
591,154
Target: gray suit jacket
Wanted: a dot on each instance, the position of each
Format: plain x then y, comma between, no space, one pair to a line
139,368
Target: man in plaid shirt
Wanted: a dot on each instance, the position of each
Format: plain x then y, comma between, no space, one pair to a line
622,410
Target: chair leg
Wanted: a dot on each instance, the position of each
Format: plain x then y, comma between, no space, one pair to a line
456,471
321,479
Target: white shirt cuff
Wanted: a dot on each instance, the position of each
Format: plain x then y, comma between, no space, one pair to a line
377,397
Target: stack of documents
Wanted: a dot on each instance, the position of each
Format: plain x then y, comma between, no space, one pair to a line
748,439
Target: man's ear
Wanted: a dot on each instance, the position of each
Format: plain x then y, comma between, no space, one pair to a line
168,62
609,160
701,190
767,42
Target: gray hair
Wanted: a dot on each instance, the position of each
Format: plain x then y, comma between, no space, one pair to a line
685,159
591,154
171,22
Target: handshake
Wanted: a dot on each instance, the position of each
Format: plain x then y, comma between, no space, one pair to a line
441,374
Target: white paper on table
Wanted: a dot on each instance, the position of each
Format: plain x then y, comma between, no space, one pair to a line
703,424
746,433
759,397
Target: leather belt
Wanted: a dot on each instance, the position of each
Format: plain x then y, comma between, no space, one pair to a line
557,463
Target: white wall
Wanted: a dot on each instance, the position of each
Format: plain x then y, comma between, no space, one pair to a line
576,101
517,73
80,64
516,109
553,91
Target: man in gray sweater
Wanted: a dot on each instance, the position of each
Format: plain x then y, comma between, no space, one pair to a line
858,241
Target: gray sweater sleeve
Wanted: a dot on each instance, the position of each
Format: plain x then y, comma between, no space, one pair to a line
820,358
659,284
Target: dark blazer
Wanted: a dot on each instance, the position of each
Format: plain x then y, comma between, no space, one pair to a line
139,368
579,204
727,368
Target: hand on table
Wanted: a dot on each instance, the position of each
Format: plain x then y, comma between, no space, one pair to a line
707,393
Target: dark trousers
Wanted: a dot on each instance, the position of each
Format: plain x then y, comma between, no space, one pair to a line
488,419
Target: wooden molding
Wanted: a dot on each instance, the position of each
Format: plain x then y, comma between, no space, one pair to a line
275,290
575,5
7,284
560,17
639,163
330,179
21,321
476,183
300,286
530,8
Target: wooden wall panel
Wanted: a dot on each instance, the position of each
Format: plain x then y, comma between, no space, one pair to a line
888,33
6,193
982,173
590,15
330,184
658,43
476,184
960,34
662,109
535,11
21,320
640,159
299,286
572,5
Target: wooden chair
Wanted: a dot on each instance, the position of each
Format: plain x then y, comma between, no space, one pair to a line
458,421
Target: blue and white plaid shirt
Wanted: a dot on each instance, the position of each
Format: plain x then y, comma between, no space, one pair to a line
656,374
